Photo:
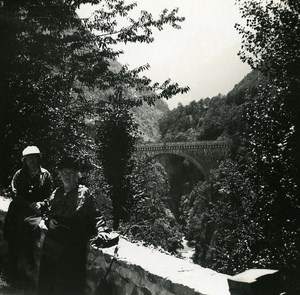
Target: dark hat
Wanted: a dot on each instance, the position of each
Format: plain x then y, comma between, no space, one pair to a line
69,163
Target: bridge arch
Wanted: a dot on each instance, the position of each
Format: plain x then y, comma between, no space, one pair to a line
206,155
181,154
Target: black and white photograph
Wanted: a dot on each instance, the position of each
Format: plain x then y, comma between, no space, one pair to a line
150,147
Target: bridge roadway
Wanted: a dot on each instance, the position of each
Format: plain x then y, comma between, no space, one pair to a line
206,155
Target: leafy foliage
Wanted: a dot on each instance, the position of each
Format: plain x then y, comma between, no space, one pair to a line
56,75
151,221
48,60
218,206
116,134
219,117
251,205
234,228
271,44
147,118
36,82
51,62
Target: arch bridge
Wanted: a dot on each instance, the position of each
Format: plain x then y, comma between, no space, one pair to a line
206,155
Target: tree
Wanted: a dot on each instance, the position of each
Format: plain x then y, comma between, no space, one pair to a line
151,220
116,134
216,213
49,59
255,212
271,44
39,102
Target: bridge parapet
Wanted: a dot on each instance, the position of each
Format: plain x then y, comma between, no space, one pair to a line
204,147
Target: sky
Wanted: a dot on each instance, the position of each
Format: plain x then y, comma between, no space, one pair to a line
201,55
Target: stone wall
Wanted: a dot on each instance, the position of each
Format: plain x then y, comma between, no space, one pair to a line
141,270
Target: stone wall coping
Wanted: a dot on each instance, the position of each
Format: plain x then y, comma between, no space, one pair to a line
177,270
251,275
202,280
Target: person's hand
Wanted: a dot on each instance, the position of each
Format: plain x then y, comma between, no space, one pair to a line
105,239
103,236
53,224
36,207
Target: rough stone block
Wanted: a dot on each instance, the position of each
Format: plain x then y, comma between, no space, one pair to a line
255,282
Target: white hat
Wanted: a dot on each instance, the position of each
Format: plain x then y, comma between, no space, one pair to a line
30,150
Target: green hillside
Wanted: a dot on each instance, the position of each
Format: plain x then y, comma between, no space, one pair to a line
213,118
148,117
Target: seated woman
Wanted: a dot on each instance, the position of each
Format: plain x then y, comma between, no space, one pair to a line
72,219
31,185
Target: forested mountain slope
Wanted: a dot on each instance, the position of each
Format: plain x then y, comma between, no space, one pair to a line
213,118
148,117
